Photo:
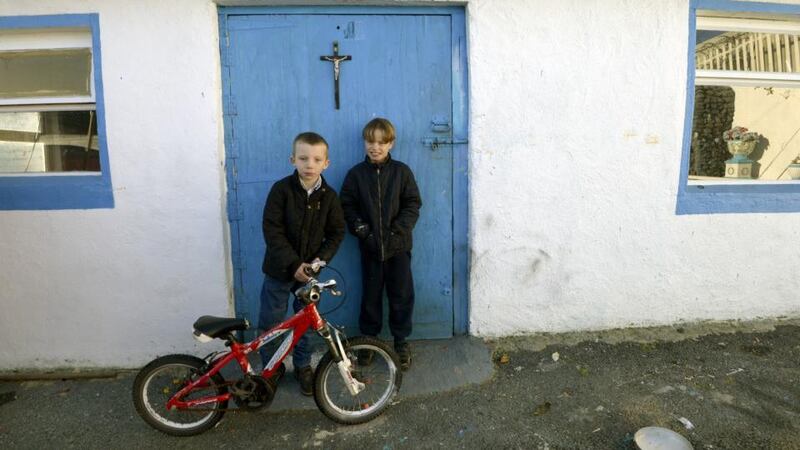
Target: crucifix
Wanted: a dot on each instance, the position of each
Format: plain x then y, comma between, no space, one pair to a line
336,59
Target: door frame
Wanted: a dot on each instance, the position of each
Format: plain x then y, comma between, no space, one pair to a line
460,114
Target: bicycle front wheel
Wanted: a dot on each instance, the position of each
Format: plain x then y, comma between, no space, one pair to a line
158,381
375,364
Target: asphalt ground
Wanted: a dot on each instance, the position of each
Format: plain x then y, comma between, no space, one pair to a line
722,387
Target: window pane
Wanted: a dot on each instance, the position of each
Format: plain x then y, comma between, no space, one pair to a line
50,141
772,113
747,51
45,73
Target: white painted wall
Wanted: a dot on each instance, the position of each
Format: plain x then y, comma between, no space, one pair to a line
577,114
115,287
589,97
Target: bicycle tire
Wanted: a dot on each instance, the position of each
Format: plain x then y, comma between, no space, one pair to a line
383,368
153,386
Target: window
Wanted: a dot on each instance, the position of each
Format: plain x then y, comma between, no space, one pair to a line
52,145
742,148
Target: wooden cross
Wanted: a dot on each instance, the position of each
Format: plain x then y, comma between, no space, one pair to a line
336,59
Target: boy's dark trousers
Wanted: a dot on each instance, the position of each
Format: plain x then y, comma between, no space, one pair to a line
395,274
275,297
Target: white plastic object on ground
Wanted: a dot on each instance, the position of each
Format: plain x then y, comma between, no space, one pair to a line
657,438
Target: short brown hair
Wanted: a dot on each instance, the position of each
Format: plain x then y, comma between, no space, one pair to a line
310,138
379,124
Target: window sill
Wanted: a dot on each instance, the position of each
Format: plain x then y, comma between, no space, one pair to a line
74,173
721,181
48,192
781,197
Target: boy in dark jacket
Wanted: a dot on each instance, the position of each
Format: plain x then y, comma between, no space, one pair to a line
303,223
381,205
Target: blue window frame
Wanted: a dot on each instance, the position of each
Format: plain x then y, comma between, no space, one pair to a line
63,191
699,198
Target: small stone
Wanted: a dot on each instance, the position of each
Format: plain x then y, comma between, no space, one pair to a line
542,409
664,390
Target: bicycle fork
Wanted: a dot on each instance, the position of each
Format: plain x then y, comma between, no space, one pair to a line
343,363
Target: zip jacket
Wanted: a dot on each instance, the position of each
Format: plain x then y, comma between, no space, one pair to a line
381,205
299,227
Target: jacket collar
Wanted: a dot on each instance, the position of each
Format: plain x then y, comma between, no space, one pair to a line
378,165
298,185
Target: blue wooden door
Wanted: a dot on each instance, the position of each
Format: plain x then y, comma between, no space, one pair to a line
277,86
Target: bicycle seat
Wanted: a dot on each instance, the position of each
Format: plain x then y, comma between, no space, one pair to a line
216,326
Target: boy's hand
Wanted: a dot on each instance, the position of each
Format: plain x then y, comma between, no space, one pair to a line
300,273
361,230
317,265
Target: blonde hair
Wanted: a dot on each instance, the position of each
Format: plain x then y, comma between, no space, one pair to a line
378,124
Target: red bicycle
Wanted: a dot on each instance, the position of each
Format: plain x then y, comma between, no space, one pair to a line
183,395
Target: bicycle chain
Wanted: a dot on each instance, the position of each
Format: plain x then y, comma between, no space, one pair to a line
214,386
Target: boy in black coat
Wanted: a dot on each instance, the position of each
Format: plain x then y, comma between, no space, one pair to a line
381,205
303,223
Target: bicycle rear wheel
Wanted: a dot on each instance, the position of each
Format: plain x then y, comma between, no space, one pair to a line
158,381
378,369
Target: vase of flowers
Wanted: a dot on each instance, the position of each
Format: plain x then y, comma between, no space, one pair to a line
740,142
794,169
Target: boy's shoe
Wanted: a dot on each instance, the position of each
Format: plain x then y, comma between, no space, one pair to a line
403,350
306,378
364,357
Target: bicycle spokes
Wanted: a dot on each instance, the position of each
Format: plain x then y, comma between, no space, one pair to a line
373,369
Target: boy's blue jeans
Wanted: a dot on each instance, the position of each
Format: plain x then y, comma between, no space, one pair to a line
275,296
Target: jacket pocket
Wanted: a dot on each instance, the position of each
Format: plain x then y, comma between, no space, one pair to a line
395,242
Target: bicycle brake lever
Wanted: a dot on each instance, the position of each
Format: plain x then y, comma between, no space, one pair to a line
330,284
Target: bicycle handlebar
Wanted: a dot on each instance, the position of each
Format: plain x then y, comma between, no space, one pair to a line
312,290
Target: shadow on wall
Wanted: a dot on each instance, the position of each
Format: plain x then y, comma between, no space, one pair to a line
761,147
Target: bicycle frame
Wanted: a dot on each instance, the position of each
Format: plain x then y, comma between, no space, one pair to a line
298,324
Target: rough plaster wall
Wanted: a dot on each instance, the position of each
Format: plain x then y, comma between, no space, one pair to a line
577,112
115,287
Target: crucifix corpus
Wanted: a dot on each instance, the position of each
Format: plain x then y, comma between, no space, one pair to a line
336,58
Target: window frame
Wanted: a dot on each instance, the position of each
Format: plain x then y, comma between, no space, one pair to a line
740,196
51,190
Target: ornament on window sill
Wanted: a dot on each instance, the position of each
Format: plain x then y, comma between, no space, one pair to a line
794,169
741,143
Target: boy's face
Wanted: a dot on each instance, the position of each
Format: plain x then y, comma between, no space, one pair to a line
377,150
310,160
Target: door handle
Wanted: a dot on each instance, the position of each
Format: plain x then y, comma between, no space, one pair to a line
440,127
441,124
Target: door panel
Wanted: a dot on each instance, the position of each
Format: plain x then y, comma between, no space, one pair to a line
279,87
